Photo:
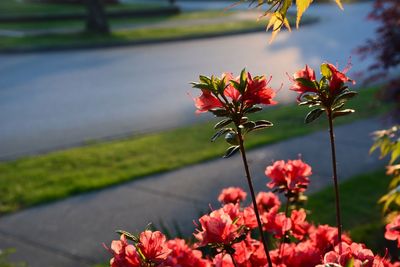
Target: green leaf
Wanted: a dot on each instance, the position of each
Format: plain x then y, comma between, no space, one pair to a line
307,83
264,123
219,112
350,263
222,123
128,235
325,71
395,152
276,21
248,126
302,6
204,79
253,109
313,115
341,113
220,133
231,151
338,106
345,96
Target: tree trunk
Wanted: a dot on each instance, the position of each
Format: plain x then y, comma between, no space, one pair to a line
96,21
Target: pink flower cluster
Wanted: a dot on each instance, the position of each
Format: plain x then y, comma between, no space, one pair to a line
304,81
291,176
228,233
254,91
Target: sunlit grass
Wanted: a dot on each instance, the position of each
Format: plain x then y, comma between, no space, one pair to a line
14,7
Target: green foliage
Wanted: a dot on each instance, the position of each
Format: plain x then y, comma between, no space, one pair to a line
277,12
388,143
4,261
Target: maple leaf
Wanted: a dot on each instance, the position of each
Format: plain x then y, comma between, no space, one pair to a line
276,21
302,6
339,3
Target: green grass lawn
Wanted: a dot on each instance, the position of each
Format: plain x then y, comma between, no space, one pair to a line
33,180
124,36
361,215
114,22
14,7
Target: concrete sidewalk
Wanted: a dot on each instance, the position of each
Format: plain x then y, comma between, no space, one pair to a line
70,232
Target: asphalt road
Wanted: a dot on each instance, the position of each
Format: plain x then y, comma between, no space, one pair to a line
60,99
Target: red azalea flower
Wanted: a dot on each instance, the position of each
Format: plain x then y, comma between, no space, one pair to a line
277,223
297,174
249,218
306,73
292,175
277,172
267,201
337,79
206,101
184,256
125,255
299,224
362,256
258,92
393,230
223,260
232,195
218,227
325,237
153,247
230,91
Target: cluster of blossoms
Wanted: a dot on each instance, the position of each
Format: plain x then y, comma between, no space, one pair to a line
228,234
328,95
232,93
228,237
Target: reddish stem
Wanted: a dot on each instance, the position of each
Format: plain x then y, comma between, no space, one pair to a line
335,179
253,197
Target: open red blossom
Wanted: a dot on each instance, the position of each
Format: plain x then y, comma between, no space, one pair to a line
218,227
277,223
324,237
393,230
206,101
337,79
299,224
249,218
223,260
292,176
230,91
153,246
267,201
232,195
258,92
124,254
361,256
308,74
182,255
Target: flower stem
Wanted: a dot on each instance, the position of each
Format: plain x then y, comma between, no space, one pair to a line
281,250
335,179
253,197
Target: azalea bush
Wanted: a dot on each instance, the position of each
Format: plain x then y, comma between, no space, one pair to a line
265,232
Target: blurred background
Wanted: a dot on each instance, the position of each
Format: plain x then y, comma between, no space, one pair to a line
95,94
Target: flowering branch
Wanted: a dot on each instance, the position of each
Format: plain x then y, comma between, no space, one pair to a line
234,98
329,95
